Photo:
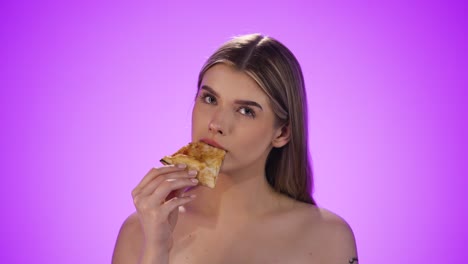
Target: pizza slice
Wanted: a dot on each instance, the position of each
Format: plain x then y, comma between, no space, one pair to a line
202,157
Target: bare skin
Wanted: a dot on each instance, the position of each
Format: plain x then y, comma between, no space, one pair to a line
301,234
241,220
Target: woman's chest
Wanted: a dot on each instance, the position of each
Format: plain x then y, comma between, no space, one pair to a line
243,247
249,244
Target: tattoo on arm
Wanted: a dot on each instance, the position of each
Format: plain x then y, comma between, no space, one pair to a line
351,261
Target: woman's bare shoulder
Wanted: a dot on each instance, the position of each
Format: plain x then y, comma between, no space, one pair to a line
129,241
330,232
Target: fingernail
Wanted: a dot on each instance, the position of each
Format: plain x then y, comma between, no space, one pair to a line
181,166
192,172
194,180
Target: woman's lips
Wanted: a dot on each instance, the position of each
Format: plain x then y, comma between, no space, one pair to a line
213,143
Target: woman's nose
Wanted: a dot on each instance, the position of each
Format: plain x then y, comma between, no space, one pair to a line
218,122
215,128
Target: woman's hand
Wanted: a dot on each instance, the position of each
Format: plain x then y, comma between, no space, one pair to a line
157,199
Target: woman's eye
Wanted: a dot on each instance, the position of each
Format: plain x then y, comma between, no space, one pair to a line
247,111
209,99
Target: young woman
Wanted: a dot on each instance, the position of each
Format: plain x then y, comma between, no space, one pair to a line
251,102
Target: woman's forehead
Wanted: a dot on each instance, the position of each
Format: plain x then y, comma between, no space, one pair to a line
229,82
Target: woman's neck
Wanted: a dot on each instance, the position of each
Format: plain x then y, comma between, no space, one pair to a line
236,197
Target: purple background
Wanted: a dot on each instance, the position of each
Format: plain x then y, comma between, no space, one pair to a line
93,94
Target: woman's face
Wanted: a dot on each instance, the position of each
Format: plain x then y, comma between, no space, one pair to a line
232,110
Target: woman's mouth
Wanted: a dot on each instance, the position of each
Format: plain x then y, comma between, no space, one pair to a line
212,143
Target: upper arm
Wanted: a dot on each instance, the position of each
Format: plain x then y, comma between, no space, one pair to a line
343,243
330,240
129,242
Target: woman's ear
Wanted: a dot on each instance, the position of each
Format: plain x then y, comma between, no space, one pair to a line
282,136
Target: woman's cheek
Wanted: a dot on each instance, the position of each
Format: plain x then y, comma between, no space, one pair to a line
254,143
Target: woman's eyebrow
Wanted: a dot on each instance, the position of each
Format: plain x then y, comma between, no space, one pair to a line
209,89
250,103
241,102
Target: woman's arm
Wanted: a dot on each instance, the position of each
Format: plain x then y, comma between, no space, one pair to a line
129,248
339,241
128,245
344,245
330,240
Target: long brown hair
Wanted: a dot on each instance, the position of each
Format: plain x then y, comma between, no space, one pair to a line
276,70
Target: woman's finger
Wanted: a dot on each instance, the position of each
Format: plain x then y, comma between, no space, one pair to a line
150,187
161,193
175,202
155,172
